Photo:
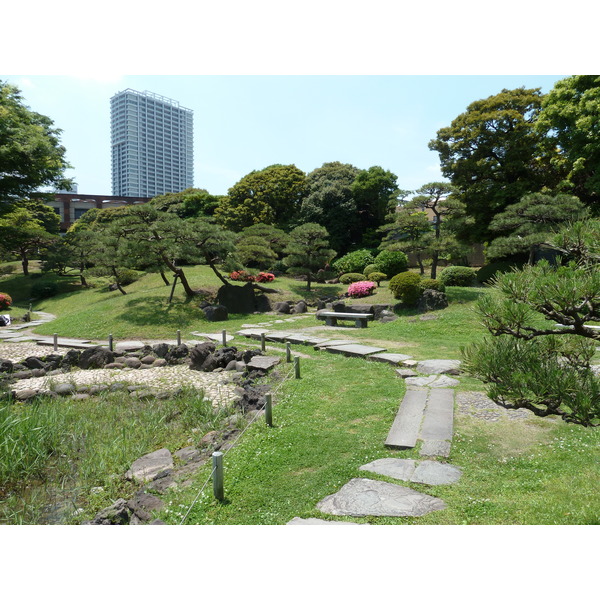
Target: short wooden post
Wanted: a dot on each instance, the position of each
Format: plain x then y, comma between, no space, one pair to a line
217,461
288,352
297,366
224,333
55,342
110,342
268,410
262,342
178,337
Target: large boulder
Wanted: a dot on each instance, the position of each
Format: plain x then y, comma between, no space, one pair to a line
237,299
300,307
199,353
432,300
282,307
216,313
95,358
6,366
177,353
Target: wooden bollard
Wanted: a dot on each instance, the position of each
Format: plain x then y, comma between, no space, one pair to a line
262,342
178,337
217,461
288,352
297,366
268,410
224,333
55,342
110,342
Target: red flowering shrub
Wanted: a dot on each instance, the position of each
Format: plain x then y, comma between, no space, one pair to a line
265,277
5,301
241,276
360,289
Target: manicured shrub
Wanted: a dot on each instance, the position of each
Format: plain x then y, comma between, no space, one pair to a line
44,289
5,301
458,276
369,269
7,269
353,262
391,262
128,276
265,277
347,278
376,276
360,289
488,272
406,288
432,284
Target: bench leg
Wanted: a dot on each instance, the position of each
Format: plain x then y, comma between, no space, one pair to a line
332,321
360,323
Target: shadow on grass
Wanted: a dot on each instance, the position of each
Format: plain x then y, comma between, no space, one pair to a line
316,291
462,294
155,310
18,286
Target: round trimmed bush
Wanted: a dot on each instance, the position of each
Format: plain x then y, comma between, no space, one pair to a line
432,284
391,262
348,278
5,301
458,276
353,262
406,287
376,276
369,269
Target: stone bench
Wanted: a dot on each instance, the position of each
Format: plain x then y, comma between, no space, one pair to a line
331,318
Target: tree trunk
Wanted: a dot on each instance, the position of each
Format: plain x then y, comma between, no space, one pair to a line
25,263
420,263
434,263
114,270
189,292
164,277
216,272
308,283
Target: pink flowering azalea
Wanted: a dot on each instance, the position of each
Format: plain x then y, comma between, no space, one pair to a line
360,289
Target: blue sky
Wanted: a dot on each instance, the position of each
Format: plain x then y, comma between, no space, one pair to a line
244,123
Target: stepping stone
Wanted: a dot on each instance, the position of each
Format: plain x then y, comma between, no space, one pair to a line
67,343
252,333
308,340
217,337
313,521
277,336
405,373
263,363
326,344
129,346
389,357
407,424
7,335
433,381
439,367
367,497
429,472
354,350
150,465
438,422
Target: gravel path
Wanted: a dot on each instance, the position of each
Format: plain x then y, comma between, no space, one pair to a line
217,386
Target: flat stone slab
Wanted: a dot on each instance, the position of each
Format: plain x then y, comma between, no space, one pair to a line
389,357
439,416
367,497
329,343
439,367
150,465
128,346
354,350
277,336
216,337
435,448
313,521
407,424
429,472
433,381
67,343
263,363
252,333
5,335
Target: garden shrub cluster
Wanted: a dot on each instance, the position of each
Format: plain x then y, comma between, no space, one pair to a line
44,289
262,277
486,273
376,276
7,269
391,262
369,269
432,284
348,278
5,301
353,262
406,287
360,289
458,276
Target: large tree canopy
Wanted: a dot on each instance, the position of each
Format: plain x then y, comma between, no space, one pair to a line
271,196
31,155
191,202
570,118
492,154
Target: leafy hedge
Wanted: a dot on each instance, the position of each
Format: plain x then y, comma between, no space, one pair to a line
353,262
406,287
458,276
391,262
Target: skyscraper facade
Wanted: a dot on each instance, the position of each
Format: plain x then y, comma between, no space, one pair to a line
152,145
